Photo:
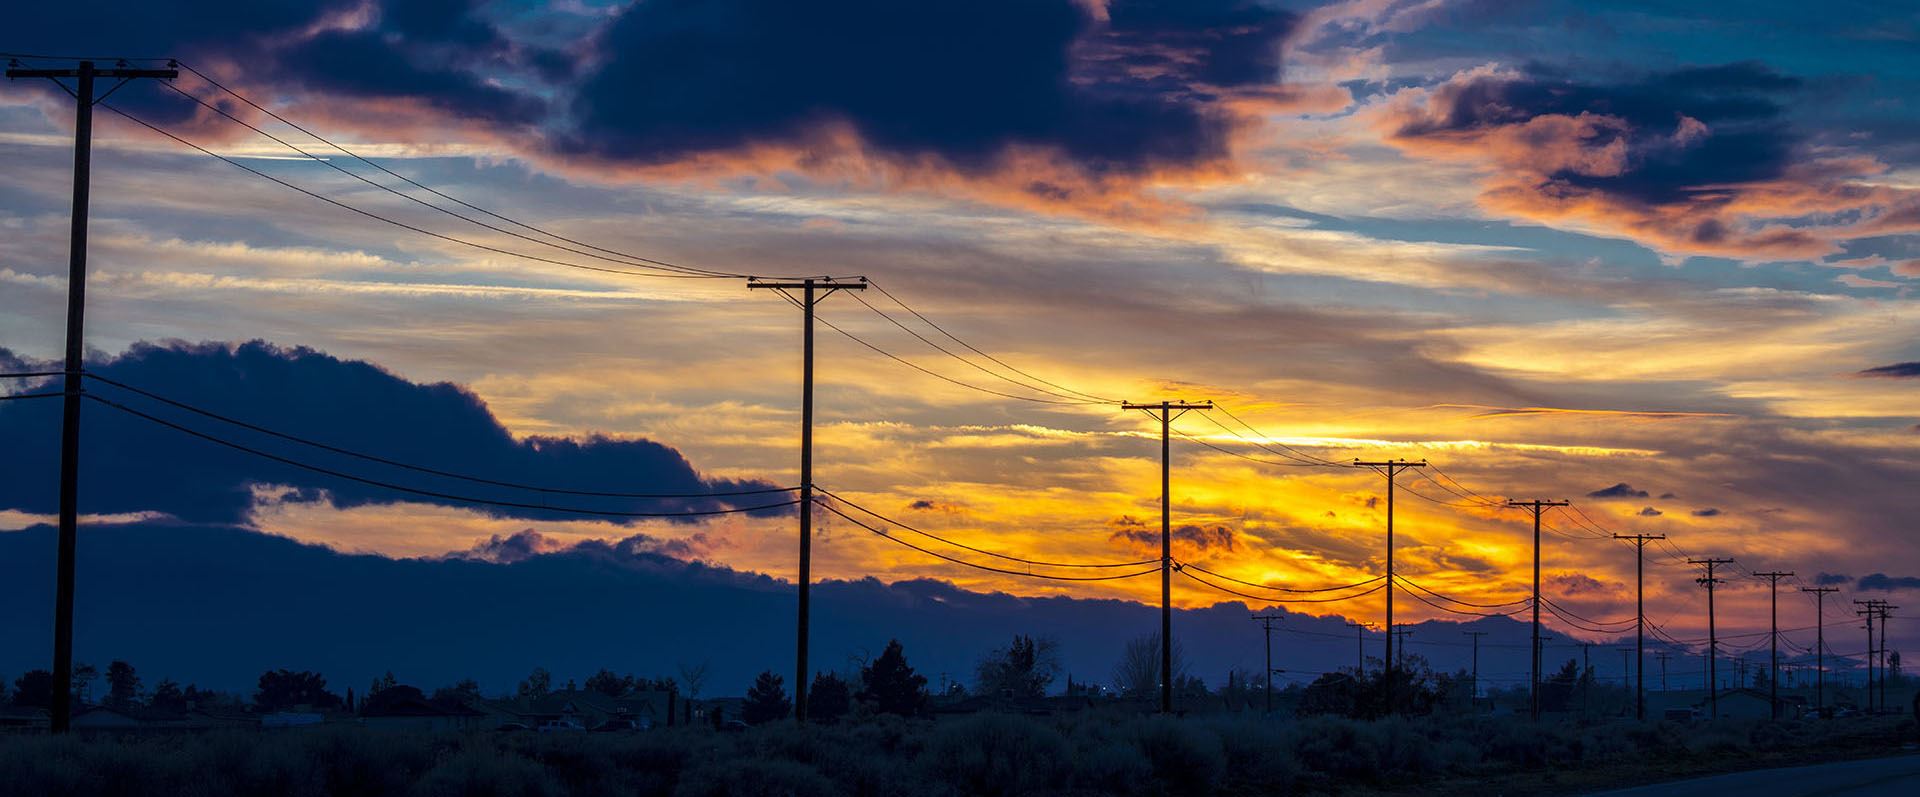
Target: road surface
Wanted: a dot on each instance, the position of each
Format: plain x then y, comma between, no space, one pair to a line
1868,778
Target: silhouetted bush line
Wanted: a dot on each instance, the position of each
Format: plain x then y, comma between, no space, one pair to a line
1088,753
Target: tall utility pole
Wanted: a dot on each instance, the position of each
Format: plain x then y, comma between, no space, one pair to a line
1662,656
1359,648
1773,665
1390,468
1266,622
84,74
1476,662
1640,617
1536,507
1713,638
1402,633
1166,412
811,292
1586,679
1876,609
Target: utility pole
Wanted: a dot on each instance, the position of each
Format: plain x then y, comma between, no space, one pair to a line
1868,614
811,292
1403,632
85,74
1773,666
1166,412
1476,661
1536,507
1640,619
1820,645
1662,656
1586,680
1359,648
1886,613
1390,468
1876,609
1266,622
1713,638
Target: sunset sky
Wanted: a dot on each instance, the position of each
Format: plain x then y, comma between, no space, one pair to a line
1657,258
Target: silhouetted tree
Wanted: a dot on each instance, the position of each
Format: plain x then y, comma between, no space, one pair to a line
123,684
1138,674
891,685
284,689
539,683
607,683
381,684
1556,691
767,700
168,697
385,699
83,676
829,699
33,689
695,677
1022,669
462,692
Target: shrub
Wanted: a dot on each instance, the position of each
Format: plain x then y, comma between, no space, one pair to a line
996,754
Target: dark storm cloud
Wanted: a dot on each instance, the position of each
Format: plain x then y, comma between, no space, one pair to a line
1620,490
1216,537
1647,511
1708,512
1830,579
1741,104
1894,371
132,465
960,82
431,51
1881,582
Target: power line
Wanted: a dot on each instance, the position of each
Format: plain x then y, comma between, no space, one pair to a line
421,468
957,544
436,192
983,369
19,396
400,224
1280,589
1229,591
427,493
937,375
31,374
977,566
1411,583
997,361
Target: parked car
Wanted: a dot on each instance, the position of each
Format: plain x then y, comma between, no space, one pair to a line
560,726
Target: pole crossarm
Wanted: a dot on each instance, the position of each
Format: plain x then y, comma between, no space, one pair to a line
1266,622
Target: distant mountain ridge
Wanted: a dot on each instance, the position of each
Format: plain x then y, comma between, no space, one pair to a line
217,605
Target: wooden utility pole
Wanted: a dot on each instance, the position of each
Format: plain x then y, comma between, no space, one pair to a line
1536,506
1266,622
1773,664
1662,656
1640,617
1713,638
811,292
1166,412
1402,633
1475,695
1359,649
1390,468
84,75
